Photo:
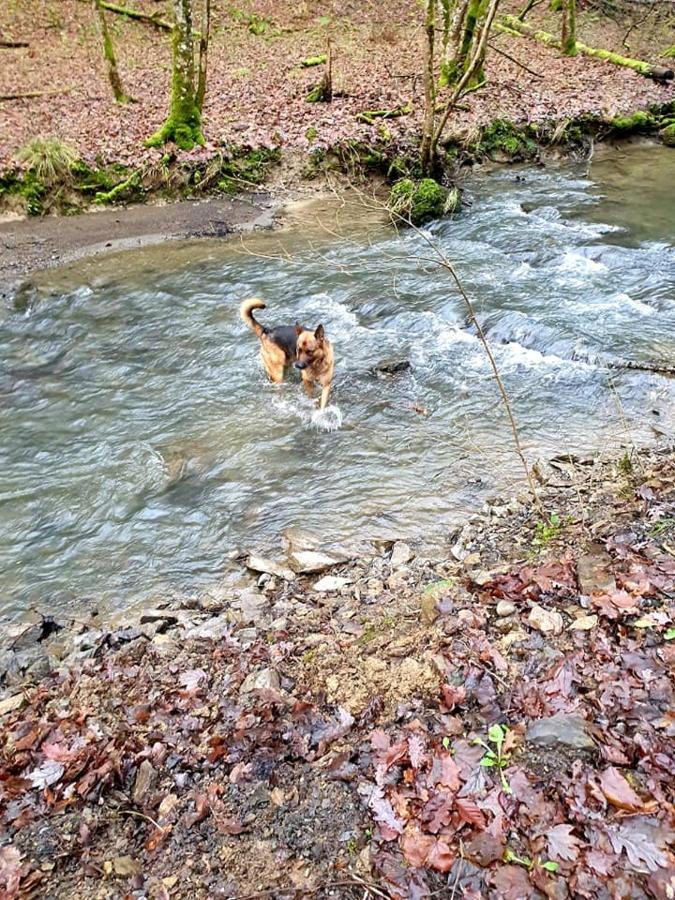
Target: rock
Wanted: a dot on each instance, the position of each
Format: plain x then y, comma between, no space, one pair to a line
545,620
167,805
9,704
269,567
259,681
156,615
125,866
307,561
331,583
506,608
668,135
247,635
213,629
254,607
561,729
398,579
299,539
429,607
146,778
23,635
594,571
391,367
584,623
400,555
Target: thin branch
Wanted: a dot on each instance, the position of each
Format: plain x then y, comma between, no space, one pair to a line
27,95
514,60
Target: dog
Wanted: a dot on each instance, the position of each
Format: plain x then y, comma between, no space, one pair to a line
310,351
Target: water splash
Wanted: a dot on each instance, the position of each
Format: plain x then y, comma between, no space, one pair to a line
328,419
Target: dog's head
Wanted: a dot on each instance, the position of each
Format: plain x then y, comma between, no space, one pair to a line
309,346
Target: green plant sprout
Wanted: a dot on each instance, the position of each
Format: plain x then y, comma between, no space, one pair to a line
496,758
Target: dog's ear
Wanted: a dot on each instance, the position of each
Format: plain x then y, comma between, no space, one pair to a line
298,329
319,333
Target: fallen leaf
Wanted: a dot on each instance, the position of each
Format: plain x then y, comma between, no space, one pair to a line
617,790
562,844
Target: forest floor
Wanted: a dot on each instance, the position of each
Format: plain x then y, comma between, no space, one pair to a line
257,87
492,721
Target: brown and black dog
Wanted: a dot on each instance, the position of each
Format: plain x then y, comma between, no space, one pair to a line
310,351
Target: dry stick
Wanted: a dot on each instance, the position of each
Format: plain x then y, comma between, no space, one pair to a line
514,60
31,94
11,45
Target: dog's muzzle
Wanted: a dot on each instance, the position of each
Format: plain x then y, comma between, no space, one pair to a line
301,365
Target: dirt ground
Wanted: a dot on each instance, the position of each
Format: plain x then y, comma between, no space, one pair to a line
29,245
492,721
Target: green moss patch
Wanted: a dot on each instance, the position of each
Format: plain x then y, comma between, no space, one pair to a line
504,139
421,201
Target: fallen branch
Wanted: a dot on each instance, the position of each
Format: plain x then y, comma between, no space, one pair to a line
13,44
369,116
514,60
658,73
154,19
28,95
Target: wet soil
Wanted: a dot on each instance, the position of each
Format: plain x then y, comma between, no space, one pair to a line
29,245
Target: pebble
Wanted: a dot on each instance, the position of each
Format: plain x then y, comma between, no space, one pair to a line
146,778
314,560
331,583
259,681
505,608
400,554
544,620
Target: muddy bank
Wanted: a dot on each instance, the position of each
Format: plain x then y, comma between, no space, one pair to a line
29,245
329,728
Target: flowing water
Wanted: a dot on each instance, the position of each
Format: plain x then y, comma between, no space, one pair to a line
142,445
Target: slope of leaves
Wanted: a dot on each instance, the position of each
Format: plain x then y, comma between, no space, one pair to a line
257,87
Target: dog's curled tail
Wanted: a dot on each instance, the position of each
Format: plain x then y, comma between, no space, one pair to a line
246,313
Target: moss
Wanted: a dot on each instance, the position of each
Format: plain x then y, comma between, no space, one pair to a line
639,121
668,135
314,61
421,201
669,52
503,137
311,133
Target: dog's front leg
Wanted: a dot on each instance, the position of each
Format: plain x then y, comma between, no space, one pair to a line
308,384
325,392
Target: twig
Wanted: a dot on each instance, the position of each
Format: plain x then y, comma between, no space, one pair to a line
139,815
10,45
514,60
27,95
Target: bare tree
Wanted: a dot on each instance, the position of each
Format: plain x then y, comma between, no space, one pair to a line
466,28
109,51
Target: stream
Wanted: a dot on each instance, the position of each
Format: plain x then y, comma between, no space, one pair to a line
142,447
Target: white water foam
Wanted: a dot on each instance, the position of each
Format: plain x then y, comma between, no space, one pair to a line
328,419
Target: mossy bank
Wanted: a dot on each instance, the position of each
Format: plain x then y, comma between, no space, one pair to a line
51,178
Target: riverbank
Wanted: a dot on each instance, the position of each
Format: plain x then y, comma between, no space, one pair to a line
330,729
259,126
28,246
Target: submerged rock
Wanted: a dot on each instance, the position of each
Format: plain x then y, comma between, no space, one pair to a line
391,367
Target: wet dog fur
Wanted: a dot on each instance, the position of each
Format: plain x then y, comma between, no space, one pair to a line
284,345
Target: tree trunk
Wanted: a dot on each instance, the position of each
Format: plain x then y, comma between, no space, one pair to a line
568,39
183,124
426,160
203,54
109,51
